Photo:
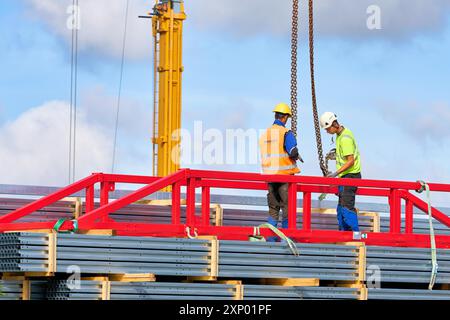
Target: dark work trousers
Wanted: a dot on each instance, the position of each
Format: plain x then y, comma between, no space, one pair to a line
277,199
347,195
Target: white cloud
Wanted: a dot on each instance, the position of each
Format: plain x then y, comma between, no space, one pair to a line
34,147
101,23
423,123
333,17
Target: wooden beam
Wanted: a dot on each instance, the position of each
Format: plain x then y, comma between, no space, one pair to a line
214,255
33,231
26,290
101,232
293,282
219,214
138,277
106,290
52,254
200,279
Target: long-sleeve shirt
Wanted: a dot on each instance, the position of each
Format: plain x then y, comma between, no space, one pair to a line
290,142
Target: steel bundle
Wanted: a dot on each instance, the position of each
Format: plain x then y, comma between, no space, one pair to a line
407,294
28,252
92,290
11,290
319,221
256,292
17,290
241,259
411,265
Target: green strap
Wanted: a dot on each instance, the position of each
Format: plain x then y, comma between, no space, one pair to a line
290,243
60,222
435,265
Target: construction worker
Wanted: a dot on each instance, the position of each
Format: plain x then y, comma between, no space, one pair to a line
279,154
348,164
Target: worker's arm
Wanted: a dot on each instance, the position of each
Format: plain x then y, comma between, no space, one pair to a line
350,162
290,145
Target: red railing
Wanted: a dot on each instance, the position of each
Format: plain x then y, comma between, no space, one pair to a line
99,218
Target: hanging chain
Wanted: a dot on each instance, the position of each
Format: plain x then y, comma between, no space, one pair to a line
294,49
323,165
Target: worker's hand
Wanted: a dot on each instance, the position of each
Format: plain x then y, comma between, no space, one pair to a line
333,175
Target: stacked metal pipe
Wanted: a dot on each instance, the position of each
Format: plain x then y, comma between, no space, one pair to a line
406,265
319,221
172,291
92,290
14,289
408,294
58,210
11,290
256,292
421,226
240,259
28,252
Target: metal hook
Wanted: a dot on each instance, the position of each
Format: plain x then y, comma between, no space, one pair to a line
188,232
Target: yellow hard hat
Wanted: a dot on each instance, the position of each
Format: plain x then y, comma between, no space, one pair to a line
283,108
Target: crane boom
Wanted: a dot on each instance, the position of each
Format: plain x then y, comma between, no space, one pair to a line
167,22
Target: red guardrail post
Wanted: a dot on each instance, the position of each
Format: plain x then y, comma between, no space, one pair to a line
409,217
307,211
90,198
190,201
395,203
106,187
206,206
104,193
176,201
292,206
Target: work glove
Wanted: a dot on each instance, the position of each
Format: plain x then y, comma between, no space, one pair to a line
332,175
295,155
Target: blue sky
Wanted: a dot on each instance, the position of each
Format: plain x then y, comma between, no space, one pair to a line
389,86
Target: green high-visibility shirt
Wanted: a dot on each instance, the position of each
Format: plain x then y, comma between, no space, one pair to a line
346,146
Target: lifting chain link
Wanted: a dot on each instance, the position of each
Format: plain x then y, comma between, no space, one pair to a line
323,165
294,49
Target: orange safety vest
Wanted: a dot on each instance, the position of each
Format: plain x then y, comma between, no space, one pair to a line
274,159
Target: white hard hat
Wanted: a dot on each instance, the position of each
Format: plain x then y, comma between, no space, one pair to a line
327,119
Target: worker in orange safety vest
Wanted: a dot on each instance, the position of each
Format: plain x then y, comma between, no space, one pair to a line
279,155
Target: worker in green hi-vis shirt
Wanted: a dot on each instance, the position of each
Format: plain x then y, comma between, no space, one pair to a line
348,165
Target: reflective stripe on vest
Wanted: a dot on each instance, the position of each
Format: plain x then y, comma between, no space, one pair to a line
269,156
275,160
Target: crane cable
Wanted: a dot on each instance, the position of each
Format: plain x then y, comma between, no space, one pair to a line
294,85
119,96
294,50
323,165
73,92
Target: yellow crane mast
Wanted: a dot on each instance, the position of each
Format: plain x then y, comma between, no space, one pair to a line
167,22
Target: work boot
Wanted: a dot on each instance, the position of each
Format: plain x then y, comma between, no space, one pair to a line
274,223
